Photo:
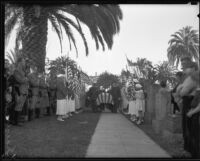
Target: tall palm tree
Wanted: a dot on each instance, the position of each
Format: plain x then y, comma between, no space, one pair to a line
185,42
32,20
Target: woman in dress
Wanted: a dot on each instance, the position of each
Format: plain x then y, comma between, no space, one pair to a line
140,103
132,102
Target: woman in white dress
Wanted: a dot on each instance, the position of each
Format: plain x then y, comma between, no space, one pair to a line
140,103
132,102
61,93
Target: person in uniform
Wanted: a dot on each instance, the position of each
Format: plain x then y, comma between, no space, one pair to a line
21,87
34,88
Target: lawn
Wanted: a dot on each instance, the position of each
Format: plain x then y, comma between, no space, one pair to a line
47,137
172,144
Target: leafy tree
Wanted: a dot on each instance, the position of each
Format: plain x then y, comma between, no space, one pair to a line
184,42
32,26
106,79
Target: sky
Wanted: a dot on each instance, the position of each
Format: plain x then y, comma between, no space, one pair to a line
144,32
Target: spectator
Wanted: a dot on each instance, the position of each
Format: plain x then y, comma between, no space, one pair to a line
61,96
132,102
187,91
179,79
140,103
194,115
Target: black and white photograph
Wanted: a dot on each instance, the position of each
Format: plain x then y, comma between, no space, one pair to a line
101,80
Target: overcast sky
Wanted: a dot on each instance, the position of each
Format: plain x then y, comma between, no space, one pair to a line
144,32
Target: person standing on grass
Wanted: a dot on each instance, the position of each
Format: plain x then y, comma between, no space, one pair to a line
140,103
61,93
21,88
34,87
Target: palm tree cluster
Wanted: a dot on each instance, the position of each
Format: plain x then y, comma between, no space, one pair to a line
31,22
184,42
143,69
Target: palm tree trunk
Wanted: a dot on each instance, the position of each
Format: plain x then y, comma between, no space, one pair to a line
35,39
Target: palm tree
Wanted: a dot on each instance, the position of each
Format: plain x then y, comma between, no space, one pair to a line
185,42
32,20
165,72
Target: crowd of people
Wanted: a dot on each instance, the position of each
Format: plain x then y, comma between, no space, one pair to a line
184,98
33,95
133,98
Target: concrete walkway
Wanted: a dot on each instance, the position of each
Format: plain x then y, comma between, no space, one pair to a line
115,136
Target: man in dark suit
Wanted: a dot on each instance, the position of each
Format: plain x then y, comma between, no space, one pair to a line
92,96
116,94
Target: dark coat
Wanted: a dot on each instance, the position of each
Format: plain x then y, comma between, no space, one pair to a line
116,93
61,91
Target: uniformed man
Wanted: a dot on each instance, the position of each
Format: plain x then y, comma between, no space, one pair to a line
34,88
22,88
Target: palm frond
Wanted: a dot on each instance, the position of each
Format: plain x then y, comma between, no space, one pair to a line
57,28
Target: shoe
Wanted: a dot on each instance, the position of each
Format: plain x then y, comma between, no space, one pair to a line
60,119
65,116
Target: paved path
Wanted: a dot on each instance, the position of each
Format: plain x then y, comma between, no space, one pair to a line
115,136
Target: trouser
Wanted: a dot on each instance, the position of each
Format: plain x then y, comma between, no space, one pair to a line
37,112
115,107
93,105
